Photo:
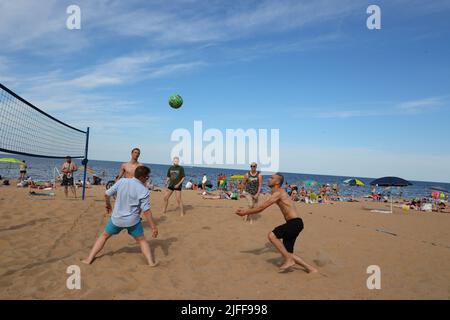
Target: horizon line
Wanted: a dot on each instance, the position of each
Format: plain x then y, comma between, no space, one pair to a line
317,174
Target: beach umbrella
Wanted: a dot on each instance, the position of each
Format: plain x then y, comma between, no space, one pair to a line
353,182
237,177
309,183
390,182
11,161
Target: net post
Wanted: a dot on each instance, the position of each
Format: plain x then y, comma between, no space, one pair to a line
85,162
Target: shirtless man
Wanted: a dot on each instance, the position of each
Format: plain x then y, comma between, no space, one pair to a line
288,231
127,169
68,168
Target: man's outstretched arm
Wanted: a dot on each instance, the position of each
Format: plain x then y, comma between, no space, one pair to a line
270,201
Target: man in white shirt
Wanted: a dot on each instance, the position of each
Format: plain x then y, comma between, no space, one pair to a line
132,198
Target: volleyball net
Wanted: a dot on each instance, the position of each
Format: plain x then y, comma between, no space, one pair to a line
27,130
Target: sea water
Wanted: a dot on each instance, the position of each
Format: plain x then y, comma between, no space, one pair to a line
41,169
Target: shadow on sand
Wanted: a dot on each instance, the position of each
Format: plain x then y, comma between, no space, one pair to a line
164,244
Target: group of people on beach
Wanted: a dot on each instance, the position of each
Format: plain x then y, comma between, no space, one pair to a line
132,198
67,181
326,192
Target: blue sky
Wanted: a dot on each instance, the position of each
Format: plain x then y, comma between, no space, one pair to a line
347,100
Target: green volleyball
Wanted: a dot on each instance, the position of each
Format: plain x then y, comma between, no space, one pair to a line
175,101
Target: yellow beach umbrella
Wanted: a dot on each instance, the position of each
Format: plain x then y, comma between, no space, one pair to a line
354,182
11,161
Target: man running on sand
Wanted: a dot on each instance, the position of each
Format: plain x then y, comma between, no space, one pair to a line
288,231
132,198
127,169
174,181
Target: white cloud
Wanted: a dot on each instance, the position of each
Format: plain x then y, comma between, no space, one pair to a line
345,114
168,69
178,22
385,109
63,91
41,25
120,70
130,68
421,104
38,27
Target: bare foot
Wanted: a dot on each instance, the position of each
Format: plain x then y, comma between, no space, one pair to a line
287,265
312,270
86,261
153,264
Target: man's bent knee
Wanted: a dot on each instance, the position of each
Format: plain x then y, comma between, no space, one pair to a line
271,236
105,235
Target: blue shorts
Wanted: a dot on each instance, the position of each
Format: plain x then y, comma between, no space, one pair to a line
135,231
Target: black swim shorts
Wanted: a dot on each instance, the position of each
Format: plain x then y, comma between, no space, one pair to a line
289,232
67,181
174,189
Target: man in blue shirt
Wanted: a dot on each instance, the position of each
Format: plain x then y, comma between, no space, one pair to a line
132,198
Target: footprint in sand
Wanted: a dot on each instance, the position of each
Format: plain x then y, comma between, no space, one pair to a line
322,259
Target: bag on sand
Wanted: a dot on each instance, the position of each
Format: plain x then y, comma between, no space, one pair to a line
235,196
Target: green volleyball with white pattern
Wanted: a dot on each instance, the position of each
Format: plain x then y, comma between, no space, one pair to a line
175,101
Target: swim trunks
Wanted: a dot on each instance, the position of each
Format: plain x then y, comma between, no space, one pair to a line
289,232
135,231
66,181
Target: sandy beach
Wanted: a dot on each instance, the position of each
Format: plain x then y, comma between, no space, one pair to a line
210,253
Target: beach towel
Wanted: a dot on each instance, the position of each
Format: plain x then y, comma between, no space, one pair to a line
33,193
